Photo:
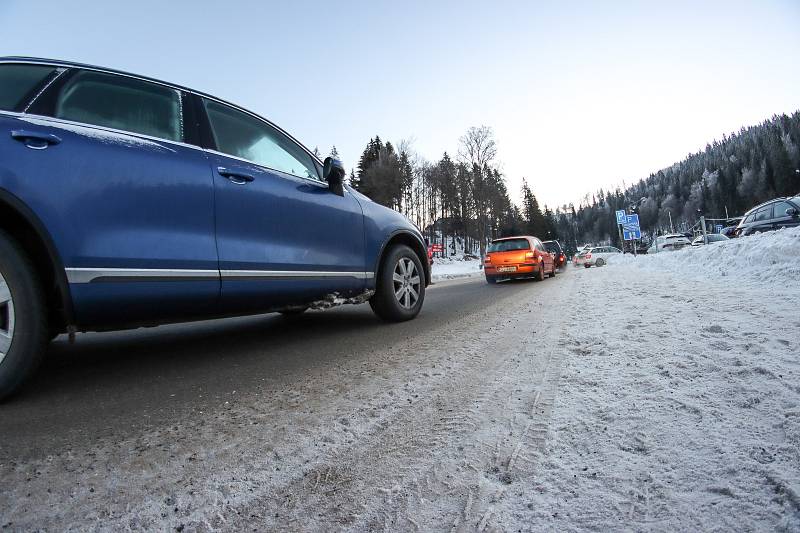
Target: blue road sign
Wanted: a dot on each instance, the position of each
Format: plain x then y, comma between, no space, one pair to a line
718,227
632,220
630,235
621,216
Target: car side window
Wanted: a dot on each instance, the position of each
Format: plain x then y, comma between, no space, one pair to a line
242,135
764,213
122,103
16,81
780,209
749,218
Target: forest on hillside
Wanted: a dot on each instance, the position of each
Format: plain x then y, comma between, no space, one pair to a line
463,197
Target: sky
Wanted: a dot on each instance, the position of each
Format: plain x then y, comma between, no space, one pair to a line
580,95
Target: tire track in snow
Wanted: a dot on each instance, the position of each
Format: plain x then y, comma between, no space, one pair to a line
439,462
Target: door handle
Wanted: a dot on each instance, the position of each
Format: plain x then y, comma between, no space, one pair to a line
239,178
35,140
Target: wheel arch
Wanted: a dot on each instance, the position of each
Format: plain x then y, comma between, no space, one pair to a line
413,242
22,224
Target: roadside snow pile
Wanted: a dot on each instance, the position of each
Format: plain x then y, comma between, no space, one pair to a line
453,268
766,258
678,406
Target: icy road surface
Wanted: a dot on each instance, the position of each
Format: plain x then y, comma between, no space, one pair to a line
640,396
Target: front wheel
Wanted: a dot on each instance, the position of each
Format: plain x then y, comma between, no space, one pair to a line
23,323
600,262
400,287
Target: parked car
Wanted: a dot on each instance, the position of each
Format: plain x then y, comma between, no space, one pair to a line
729,231
579,258
599,256
554,247
711,238
518,257
670,242
128,201
775,214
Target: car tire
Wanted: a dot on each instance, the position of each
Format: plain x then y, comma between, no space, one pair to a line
23,318
540,276
490,280
395,286
586,265
600,262
553,273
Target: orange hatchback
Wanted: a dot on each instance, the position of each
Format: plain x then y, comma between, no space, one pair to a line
518,257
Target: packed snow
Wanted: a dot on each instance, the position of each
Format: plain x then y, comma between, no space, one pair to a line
455,267
679,405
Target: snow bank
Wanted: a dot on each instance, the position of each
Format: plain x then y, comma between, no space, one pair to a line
452,268
678,406
771,258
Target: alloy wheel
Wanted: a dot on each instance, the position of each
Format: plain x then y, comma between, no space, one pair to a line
406,280
6,318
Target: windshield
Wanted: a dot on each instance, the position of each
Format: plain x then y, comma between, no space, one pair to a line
509,245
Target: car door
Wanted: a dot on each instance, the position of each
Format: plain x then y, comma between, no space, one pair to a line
104,161
762,220
546,257
284,237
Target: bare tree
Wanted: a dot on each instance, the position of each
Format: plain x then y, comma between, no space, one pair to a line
477,149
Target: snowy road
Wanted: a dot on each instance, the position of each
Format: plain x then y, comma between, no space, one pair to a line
633,397
332,420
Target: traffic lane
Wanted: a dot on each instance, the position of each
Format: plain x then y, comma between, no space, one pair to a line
109,385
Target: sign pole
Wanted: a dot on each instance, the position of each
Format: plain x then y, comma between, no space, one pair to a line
703,227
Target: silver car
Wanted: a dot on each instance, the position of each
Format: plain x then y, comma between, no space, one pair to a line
709,239
599,255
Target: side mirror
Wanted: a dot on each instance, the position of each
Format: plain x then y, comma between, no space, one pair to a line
333,172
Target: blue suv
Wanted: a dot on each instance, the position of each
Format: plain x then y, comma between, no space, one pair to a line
127,201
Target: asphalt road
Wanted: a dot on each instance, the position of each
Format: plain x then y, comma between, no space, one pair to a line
329,420
112,385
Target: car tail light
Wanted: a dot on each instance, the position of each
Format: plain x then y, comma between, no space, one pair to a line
488,259
530,255
588,256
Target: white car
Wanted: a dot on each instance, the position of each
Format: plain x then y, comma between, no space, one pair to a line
709,239
673,241
599,255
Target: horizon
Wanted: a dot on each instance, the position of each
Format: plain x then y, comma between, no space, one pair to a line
580,97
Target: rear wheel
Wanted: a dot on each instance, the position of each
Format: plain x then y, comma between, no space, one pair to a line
540,276
553,273
23,323
601,262
400,287
490,280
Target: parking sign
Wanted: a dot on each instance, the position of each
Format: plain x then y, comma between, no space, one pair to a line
621,216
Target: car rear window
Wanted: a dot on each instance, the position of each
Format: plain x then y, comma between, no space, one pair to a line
552,247
764,213
509,245
122,103
16,81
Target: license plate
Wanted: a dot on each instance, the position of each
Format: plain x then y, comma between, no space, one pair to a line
506,269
